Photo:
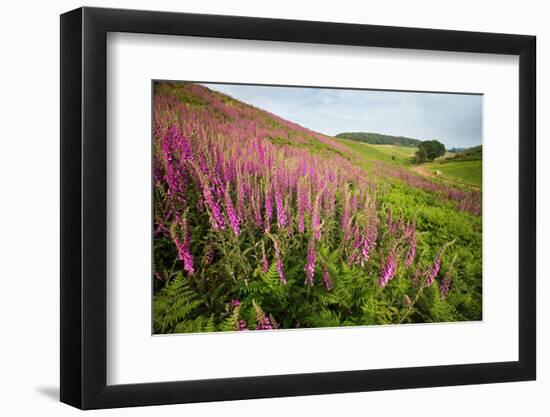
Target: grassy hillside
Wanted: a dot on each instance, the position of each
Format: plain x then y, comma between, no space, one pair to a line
470,154
464,167
261,224
467,172
392,154
400,152
378,138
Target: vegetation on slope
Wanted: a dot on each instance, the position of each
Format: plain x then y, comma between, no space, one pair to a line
392,154
462,172
470,154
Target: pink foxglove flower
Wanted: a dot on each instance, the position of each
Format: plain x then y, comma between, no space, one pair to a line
268,207
434,270
176,150
256,204
184,251
445,286
389,269
265,324
411,251
365,247
316,217
345,220
242,195
281,214
216,217
301,207
279,262
326,279
310,265
232,216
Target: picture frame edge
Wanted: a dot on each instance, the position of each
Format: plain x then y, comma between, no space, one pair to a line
83,181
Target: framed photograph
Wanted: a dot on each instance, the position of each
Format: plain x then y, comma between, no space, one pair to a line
256,208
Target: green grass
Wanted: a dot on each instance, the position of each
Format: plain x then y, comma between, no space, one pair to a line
441,222
398,151
468,172
393,154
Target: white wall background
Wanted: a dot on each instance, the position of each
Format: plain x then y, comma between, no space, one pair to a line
29,209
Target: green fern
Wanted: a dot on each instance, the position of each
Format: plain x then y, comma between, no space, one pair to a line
174,304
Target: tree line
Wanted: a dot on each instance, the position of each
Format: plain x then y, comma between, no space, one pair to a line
379,139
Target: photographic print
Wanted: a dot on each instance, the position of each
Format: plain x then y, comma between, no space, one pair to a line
285,207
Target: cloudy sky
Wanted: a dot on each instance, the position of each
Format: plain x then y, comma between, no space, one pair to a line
453,119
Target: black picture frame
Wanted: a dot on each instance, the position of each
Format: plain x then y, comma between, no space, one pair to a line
84,207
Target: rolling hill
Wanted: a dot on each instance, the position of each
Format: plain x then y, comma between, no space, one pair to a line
465,167
391,154
471,154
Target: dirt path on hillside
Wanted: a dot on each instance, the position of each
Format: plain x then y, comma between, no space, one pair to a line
422,170
419,169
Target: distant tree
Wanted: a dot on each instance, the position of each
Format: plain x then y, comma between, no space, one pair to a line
420,156
429,150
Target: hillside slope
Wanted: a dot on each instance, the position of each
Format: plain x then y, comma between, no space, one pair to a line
471,154
465,167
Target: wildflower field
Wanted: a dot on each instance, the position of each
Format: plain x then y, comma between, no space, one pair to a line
262,224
